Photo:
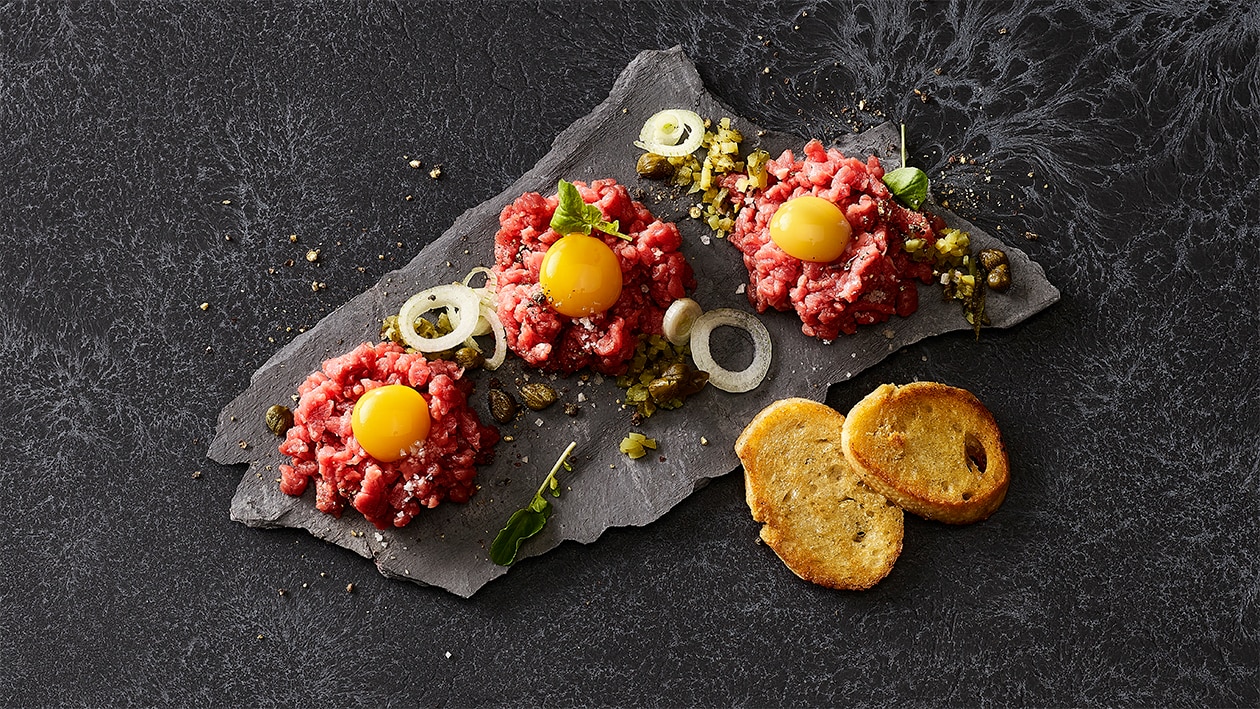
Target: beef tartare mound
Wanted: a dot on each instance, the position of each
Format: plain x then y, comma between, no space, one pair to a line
873,277
654,274
323,448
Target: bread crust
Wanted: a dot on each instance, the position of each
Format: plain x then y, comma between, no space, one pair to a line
826,525
933,449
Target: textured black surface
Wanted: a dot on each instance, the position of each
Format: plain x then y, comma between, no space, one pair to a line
449,547
1121,570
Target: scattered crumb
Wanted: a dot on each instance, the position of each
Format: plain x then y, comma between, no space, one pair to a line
414,164
205,306
312,255
196,474
436,172
349,588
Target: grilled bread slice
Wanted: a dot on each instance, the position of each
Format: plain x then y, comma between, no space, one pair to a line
933,449
817,515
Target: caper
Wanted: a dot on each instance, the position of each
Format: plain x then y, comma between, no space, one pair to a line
999,278
992,258
654,167
538,396
279,419
469,358
502,406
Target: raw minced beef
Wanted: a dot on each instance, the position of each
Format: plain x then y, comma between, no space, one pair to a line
654,274
323,449
871,280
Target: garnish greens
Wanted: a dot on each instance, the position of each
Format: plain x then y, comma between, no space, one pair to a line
530,520
908,184
573,214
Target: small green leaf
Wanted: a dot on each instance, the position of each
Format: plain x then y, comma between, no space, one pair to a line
527,522
540,505
908,184
574,215
612,228
522,525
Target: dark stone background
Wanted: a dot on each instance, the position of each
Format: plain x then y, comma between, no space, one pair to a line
1122,569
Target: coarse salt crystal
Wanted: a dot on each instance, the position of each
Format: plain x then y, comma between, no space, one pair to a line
448,655
741,288
581,397
538,422
524,459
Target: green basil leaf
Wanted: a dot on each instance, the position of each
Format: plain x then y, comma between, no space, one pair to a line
613,228
572,214
908,184
522,525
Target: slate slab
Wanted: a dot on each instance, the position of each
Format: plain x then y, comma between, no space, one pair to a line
447,547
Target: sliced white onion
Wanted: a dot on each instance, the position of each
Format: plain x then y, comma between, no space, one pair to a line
457,296
724,379
483,325
500,337
663,131
680,316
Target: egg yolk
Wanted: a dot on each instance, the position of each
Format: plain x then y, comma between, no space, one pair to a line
390,421
580,275
811,229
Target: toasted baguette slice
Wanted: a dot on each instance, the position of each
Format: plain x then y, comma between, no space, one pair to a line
817,515
932,449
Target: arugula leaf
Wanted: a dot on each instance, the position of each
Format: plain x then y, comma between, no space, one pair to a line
573,214
522,525
908,184
529,521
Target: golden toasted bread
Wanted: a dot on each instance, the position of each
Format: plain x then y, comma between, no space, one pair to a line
820,519
932,449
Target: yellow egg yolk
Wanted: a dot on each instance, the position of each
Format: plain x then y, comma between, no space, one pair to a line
390,421
580,275
811,229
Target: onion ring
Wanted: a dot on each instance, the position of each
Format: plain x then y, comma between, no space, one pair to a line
735,382
661,133
679,319
457,296
500,338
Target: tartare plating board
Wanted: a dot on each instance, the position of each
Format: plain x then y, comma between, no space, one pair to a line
448,546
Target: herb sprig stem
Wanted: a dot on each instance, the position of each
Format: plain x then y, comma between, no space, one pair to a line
564,457
529,520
